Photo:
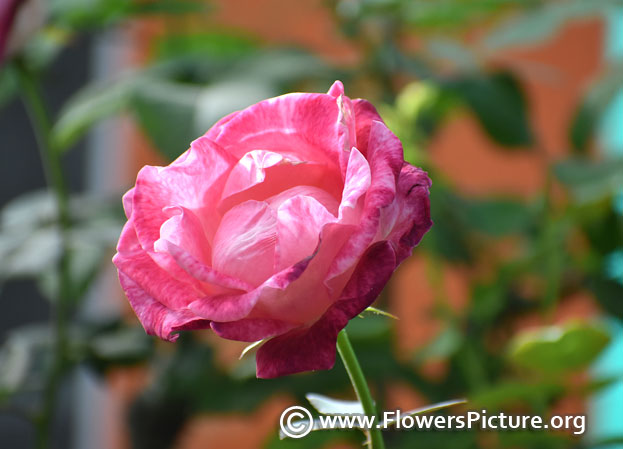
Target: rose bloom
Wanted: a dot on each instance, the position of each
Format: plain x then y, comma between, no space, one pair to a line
283,222
19,21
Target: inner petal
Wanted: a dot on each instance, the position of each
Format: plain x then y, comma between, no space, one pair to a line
244,244
356,184
186,231
300,221
261,174
322,196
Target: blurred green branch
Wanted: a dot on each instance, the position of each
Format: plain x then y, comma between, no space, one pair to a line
51,161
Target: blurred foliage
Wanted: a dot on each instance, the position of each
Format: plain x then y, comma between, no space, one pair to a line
196,77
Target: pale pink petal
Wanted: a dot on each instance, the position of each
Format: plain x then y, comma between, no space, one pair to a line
184,229
227,308
305,298
210,278
356,185
385,159
336,89
250,170
299,126
322,196
244,244
313,348
194,181
300,221
261,174
128,201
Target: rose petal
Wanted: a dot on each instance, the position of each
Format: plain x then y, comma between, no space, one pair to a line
385,159
201,271
244,244
408,218
313,348
227,308
136,264
251,329
194,181
184,229
261,174
356,185
336,89
216,129
365,114
305,298
320,195
299,223
155,317
128,201
299,126
8,13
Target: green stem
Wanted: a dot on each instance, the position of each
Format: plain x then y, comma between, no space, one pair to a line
52,167
345,349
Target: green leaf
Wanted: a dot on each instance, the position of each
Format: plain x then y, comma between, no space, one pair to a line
206,44
496,217
442,346
330,406
88,14
24,359
595,104
609,293
428,409
376,311
88,106
499,105
250,347
123,345
174,114
515,393
8,85
590,181
540,23
558,349
166,112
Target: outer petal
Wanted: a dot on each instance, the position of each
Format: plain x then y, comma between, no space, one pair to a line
252,329
309,123
194,181
385,158
409,216
336,89
156,318
132,261
213,133
313,348
365,114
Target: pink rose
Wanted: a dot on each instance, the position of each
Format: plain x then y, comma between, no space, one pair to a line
19,20
284,221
